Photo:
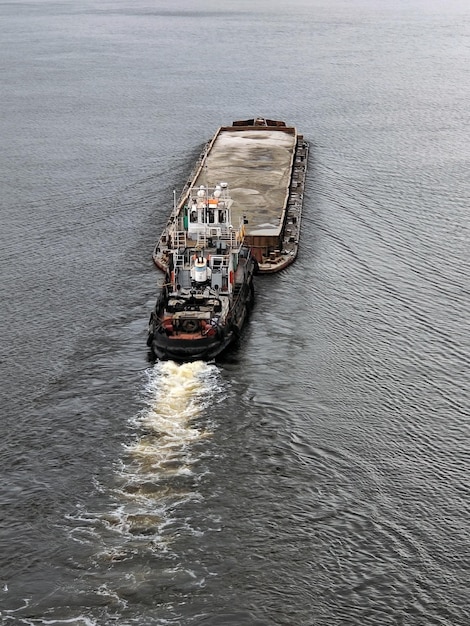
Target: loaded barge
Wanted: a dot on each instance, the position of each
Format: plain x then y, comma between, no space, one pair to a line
238,214
264,163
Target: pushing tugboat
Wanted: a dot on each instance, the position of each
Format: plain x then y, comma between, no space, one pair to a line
208,288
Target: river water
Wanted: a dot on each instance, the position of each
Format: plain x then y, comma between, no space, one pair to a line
319,474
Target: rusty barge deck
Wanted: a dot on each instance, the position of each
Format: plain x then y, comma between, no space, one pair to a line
264,163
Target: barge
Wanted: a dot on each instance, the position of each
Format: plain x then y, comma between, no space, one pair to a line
264,163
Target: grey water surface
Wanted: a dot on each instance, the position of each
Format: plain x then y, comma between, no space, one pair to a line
319,474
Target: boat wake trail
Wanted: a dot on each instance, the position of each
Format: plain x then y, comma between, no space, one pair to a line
157,472
177,394
131,538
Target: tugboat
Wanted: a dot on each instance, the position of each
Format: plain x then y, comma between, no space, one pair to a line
208,289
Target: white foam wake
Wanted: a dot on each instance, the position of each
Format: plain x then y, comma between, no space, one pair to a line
159,470
176,396
157,473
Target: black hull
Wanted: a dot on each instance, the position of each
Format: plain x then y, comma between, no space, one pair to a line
186,350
